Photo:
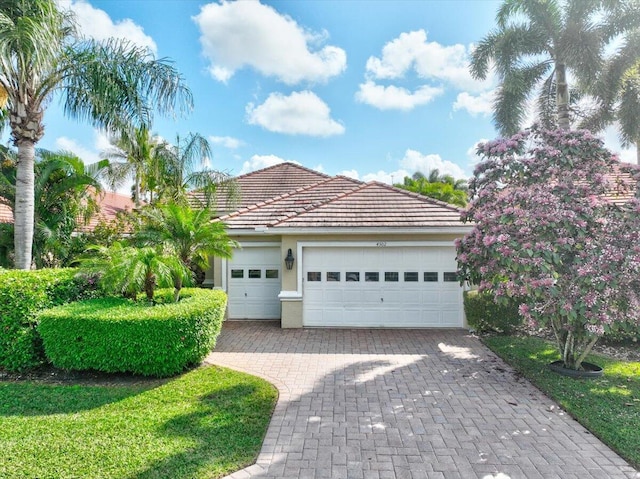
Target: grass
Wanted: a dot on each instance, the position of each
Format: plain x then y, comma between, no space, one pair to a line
609,406
203,424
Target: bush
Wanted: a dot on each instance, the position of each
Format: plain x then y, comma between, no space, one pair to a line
484,314
22,295
121,335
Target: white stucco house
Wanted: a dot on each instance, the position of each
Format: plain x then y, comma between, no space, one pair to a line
330,251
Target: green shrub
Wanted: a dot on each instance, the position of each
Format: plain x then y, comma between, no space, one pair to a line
22,295
121,335
484,315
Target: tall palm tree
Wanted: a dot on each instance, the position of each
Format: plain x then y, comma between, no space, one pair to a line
183,168
538,43
110,84
134,154
186,232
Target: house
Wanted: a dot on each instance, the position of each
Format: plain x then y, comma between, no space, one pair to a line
110,205
318,250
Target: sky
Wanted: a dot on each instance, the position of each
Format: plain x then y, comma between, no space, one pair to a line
374,90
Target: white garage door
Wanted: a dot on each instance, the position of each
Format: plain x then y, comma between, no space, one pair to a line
408,287
254,283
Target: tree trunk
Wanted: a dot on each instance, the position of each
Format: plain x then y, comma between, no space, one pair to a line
638,152
562,96
23,212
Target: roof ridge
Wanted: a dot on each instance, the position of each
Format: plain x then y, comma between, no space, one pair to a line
272,200
424,198
318,204
277,165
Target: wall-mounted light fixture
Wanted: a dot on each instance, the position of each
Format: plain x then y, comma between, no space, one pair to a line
288,261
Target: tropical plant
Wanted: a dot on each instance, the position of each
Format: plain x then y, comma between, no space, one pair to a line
186,232
64,199
110,84
538,44
549,231
617,94
184,168
128,270
134,154
440,187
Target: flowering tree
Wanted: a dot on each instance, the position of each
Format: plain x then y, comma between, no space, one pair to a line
556,226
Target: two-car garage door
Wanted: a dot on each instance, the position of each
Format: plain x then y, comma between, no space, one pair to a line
385,286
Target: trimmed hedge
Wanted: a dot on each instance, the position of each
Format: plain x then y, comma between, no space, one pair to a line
484,315
121,335
22,295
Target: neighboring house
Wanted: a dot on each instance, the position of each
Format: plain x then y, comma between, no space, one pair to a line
361,254
110,205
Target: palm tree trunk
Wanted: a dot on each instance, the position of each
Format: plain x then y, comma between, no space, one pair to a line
562,96
24,204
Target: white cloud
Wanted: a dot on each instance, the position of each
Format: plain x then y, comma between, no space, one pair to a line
612,142
412,162
226,141
96,23
258,162
429,60
350,174
481,104
396,98
248,33
88,155
301,113
472,154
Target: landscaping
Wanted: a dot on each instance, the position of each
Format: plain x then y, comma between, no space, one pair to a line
205,423
608,406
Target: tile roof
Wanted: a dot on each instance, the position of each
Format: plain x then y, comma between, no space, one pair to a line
6,214
262,185
342,202
274,210
110,205
375,205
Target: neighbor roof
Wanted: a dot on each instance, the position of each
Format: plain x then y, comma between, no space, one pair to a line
110,205
6,215
341,202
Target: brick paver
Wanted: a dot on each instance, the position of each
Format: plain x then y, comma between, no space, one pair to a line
376,404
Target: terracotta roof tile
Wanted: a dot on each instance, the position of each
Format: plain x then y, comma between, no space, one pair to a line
264,184
270,212
6,215
110,205
375,205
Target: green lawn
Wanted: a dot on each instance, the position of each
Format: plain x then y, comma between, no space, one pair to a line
203,424
609,406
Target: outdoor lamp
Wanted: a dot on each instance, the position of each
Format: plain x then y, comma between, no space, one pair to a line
289,259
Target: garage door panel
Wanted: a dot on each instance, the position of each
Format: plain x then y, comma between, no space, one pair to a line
254,283
403,296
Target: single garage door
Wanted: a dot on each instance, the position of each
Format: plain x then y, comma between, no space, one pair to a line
407,287
254,283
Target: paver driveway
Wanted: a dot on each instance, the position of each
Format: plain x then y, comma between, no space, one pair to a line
405,404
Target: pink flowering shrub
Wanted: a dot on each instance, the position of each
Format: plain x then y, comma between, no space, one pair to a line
557,227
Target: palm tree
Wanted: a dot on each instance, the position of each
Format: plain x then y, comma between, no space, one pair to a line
536,45
440,187
64,190
617,94
183,168
110,84
134,154
129,270
186,232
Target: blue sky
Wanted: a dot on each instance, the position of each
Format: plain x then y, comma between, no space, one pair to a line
371,89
